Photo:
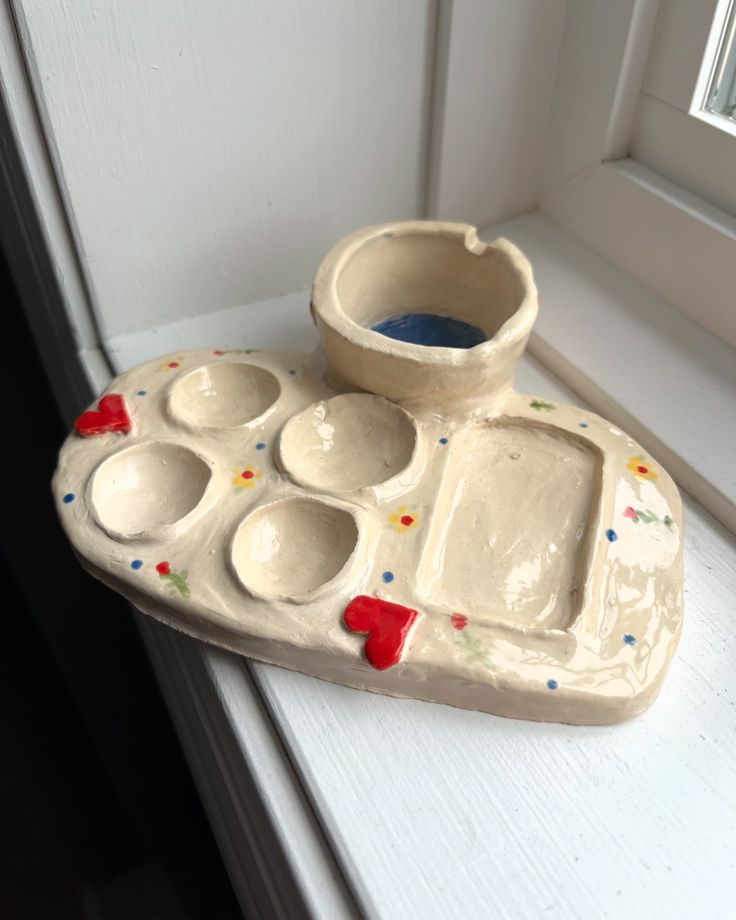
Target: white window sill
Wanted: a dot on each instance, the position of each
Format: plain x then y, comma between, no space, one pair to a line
434,812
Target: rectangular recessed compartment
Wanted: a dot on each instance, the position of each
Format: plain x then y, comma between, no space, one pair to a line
508,533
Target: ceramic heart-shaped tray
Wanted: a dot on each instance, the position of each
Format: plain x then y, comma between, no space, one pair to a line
490,550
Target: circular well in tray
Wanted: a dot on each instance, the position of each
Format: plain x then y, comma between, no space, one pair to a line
293,547
229,395
348,442
146,487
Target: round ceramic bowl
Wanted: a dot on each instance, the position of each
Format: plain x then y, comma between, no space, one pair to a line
424,310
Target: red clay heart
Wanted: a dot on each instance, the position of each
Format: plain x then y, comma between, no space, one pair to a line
111,415
388,626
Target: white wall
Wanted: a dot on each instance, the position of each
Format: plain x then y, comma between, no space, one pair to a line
500,60
209,153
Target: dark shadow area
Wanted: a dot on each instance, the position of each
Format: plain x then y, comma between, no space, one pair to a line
99,815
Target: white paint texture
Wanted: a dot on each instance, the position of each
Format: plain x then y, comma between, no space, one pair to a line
497,63
210,153
665,137
601,62
677,244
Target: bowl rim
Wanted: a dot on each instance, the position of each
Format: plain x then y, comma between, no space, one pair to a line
326,305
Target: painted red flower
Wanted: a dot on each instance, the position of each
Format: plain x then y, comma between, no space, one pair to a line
459,620
175,581
630,513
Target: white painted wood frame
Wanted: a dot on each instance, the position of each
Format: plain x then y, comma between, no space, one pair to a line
672,134
677,245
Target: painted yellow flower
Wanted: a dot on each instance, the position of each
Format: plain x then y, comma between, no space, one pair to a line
404,519
173,364
245,478
641,467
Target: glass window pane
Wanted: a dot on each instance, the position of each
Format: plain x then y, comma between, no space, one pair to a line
721,96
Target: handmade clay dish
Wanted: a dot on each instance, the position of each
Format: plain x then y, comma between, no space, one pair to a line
390,513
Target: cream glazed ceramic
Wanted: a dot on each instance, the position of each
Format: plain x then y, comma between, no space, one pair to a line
390,515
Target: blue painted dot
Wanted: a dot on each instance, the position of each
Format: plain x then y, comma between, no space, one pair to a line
136,564
584,425
611,536
141,392
388,577
629,639
69,497
260,446
292,372
444,440
552,684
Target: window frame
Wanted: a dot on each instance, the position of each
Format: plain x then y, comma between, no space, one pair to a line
676,244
